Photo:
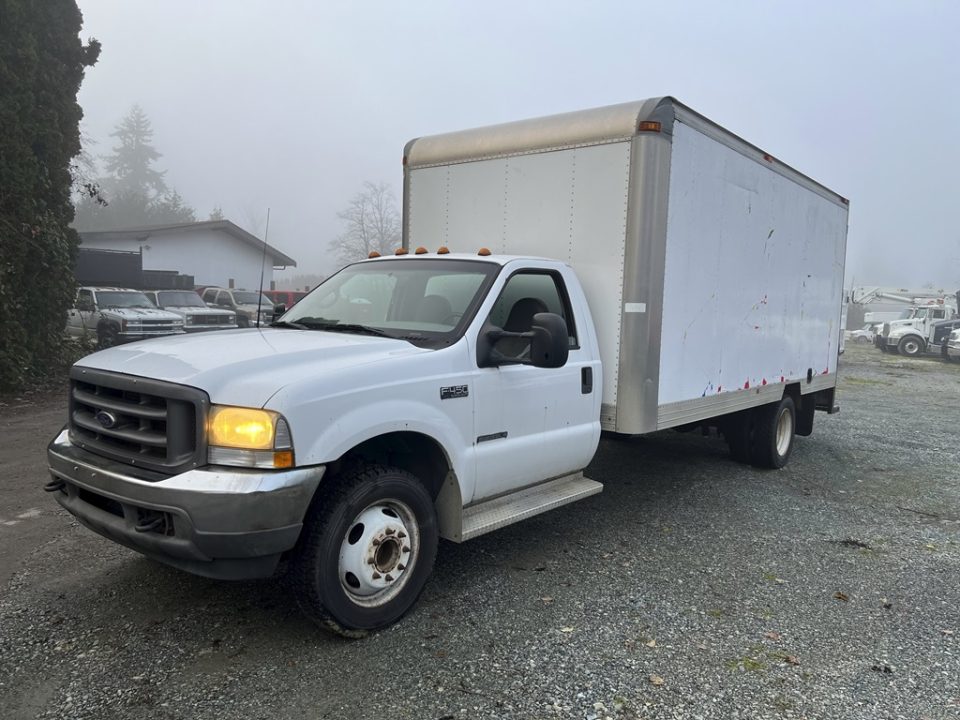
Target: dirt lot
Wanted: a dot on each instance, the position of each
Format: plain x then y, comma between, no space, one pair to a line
691,587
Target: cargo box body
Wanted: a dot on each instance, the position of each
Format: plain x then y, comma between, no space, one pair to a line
714,272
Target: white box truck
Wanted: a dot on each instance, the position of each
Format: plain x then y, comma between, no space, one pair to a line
714,271
661,273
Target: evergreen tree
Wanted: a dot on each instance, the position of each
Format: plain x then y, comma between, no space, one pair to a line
131,163
135,192
42,63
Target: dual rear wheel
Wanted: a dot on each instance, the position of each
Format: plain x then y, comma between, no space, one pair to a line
763,436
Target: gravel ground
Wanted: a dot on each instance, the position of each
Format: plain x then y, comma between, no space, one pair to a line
692,587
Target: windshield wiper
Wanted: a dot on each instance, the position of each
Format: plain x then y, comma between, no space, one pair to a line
288,324
351,327
319,323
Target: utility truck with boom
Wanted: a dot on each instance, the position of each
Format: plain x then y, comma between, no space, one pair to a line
630,268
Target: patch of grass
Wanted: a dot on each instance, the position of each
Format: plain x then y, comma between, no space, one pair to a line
854,380
715,613
746,663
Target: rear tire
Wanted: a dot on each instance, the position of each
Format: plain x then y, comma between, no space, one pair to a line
368,547
774,432
738,432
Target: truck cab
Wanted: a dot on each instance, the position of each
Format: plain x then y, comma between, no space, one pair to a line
917,330
400,402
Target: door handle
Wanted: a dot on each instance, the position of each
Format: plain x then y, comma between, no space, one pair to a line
586,380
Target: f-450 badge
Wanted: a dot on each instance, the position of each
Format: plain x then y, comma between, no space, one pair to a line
454,391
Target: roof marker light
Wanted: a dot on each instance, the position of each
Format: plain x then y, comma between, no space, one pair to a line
648,126
400,251
421,250
767,157
483,251
373,254
443,250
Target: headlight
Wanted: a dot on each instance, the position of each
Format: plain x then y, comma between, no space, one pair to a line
248,437
189,320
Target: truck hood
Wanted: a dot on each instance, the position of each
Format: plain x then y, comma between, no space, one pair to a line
246,367
139,313
197,310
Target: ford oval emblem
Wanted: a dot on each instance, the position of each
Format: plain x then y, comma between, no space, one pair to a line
106,419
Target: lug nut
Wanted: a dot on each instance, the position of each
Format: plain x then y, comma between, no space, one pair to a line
406,548
376,575
388,577
401,534
376,541
390,531
401,566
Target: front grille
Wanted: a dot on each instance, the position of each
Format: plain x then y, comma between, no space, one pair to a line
212,320
153,325
143,422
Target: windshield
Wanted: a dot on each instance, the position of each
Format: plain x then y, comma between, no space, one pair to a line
179,299
415,299
248,297
123,300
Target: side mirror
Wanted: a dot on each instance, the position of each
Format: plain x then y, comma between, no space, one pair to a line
279,309
547,344
550,345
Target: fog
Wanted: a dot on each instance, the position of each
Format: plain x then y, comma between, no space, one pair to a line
293,105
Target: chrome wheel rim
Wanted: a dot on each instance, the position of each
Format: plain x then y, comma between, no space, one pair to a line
378,553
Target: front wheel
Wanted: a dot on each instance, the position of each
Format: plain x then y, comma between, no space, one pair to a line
107,336
774,431
370,540
910,346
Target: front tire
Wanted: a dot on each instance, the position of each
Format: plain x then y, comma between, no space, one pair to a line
368,547
774,432
911,346
107,336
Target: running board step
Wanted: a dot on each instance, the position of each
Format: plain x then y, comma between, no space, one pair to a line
508,509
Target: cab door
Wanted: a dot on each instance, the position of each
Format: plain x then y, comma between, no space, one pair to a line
533,424
80,316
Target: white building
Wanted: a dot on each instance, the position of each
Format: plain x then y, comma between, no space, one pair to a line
215,252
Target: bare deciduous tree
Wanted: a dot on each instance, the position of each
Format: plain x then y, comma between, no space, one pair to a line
372,223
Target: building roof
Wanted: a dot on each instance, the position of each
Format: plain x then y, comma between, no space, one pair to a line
145,232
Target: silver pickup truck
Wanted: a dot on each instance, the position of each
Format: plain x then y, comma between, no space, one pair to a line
118,315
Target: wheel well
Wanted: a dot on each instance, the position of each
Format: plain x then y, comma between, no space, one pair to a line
418,454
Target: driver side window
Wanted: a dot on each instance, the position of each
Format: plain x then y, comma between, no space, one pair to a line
85,300
525,295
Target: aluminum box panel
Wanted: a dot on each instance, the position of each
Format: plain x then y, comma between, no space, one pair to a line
753,274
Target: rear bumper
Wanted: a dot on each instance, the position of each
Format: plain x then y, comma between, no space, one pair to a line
225,523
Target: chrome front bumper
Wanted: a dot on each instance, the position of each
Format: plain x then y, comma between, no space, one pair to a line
227,523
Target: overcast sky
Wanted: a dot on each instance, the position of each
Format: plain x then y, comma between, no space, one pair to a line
293,105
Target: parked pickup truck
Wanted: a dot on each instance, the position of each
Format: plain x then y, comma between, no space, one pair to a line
252,308
197,317
647,270
118,315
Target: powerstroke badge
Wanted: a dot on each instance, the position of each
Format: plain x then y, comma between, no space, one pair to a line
454,391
